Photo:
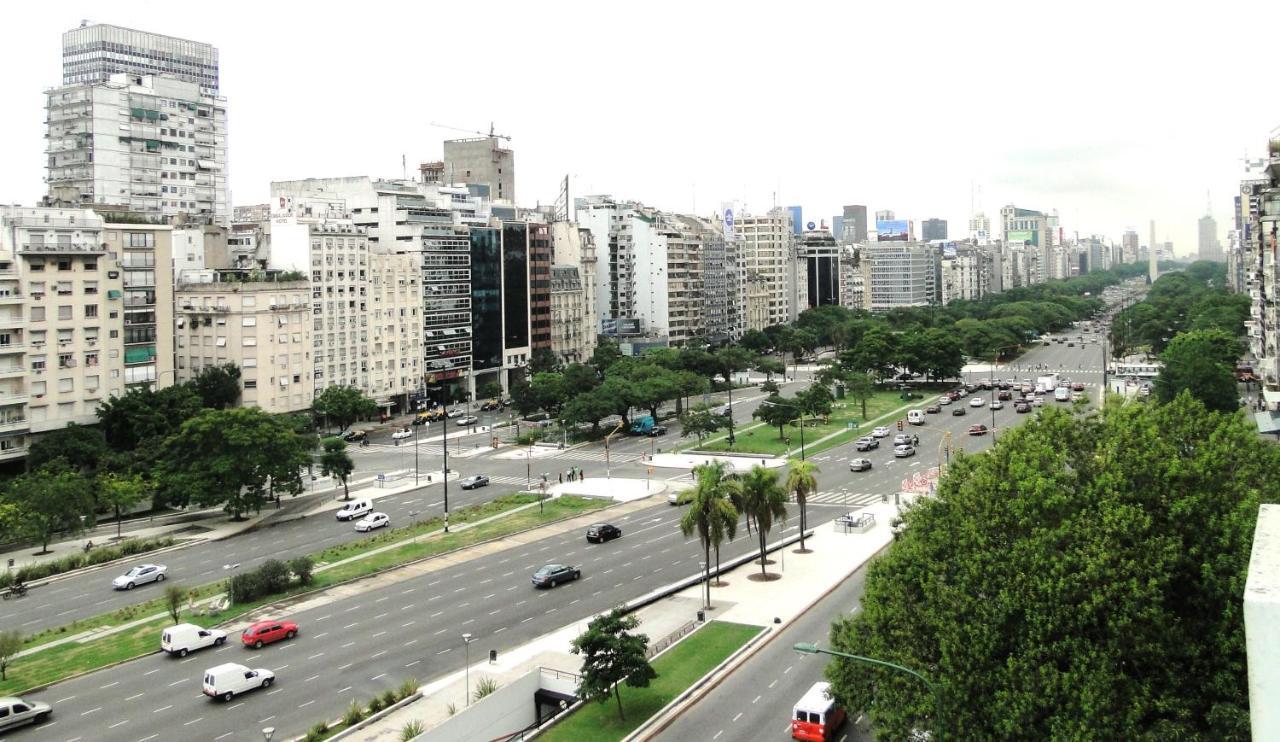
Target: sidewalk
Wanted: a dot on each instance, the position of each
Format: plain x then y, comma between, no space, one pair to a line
741,599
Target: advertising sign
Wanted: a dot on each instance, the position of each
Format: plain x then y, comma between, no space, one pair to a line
1027,237
949,250
891,230
728,224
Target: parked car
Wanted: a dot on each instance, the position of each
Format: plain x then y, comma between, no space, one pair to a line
997,405
880,432
468,420
354,509
474,481
15,712
977,430
859,464
932,409
598,533
187,637
958,411
978,402
230,679
554,574
268,632
140,575
401,434
372,521
903,452
1077,396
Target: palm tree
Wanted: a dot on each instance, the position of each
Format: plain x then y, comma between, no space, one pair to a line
801,482
765,500
711,515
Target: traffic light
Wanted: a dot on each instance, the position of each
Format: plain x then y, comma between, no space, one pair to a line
899,425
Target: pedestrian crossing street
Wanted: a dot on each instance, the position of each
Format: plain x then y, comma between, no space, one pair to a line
835,497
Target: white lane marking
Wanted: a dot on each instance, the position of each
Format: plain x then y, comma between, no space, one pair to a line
196,720
499,631
375,636
739,716
411,664
443,651
135,696
313,677
407,625
90,711
308,703
344,690
375,677
63,700
318,654
349,664
177,682
222,736
317,636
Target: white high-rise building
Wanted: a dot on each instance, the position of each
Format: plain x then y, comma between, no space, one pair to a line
767,256
154,146
95,52
898,274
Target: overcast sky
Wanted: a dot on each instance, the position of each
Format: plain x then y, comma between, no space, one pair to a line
1113,113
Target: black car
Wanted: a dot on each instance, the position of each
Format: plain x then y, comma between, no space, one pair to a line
657,431
352,436
554,574
957,411
470,483
598,533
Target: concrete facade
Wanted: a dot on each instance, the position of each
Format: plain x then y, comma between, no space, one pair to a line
482,161
898,274
94,52
146,260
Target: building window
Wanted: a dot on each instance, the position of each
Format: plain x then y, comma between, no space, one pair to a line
38,363
250,384
90,288
66,360
37,314
91,311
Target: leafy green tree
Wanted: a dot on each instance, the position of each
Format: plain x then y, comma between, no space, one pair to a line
605,354
942,357
174,596
121,492
700,421
10,645
816,401
589,407
755,341
768,365
859,387
524,397
580,377
730,360
489,390
710,515
549,391
777,411
612,656
874,353
218,386
802,342
83,448
1081,580
336,462
764,501
622,396
544,360
801,482
141,419
50,501
770,387
1202,363
343,405
231,458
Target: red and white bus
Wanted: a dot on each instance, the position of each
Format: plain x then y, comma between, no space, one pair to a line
816,716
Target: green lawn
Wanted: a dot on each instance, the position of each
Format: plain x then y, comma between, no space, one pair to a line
765,439
677,669
60,662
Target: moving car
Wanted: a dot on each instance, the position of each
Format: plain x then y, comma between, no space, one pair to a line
932,409
372,521
816,717
401,434
978,402
902,452
1077,396
468,420
554,574
880,432
1037,402
944,400
490,406
958,411
598,533
231,678
187,637
901,439
859,464
997,405
456,412
140,575
1077,387
1021,407
1004,395
354,509
680,498
916,417
472,482
14,712
1062,394
977,430
657,431
266,632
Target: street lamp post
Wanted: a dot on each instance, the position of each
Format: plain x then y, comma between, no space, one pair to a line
415,455
466,644
445,423
809,648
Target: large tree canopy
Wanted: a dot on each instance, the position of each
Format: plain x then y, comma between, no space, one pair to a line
1082,580
1203,363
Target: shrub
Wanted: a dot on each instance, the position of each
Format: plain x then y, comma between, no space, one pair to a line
406,689
302,567
528,439
76,561
271,577
354,714
389,698
317,732
411,730
274,576
484,687
452,709
375,704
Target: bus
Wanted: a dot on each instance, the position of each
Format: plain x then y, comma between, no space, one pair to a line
816,716
1146,370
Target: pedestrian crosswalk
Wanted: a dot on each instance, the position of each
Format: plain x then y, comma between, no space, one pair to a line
616,457
520,481
836,497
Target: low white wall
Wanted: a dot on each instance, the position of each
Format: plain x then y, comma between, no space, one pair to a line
1262,625
508,709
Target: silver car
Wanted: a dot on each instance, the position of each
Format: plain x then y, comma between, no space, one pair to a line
140,575
14,712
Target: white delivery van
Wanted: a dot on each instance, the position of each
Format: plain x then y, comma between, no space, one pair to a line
1062,394
227,680
916,417
355,509
187,637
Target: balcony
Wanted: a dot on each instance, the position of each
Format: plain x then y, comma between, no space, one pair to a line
13,452
13,399
12,347
12,371
13,425
70,248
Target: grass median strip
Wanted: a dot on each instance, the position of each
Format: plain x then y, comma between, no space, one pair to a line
678,668
64,660
765,439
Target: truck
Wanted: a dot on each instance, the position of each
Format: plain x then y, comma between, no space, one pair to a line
1047,383
642,425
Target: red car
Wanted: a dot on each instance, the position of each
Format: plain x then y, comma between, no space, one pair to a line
977,430
265,632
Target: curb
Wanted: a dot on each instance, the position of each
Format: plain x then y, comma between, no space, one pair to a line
708,684
372,718
102,565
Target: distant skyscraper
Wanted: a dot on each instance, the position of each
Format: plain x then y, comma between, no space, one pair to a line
837,228
934,229
797,219
92,53
1153,269
980,228
481,161
1129,246
1209,248
855,222
885,215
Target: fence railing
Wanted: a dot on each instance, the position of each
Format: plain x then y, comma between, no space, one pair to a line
669,639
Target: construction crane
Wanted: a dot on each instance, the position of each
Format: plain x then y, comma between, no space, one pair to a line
491,133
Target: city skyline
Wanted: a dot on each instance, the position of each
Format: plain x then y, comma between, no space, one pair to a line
1101,173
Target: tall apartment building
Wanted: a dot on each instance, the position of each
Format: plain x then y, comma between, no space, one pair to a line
898,274
255,321
717,318
62,345
855,225
1259,214
153,146
966,275
980,228
852,282
1129,246
146,262
481,161
820,254
95,52
767,256
573,278
933,229
1035,230
1208,246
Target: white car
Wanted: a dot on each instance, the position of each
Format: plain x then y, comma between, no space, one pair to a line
355,509
977,402
1037,402
140,575
997,405
902,452
230,679
468,420
186,637
372,521
401,434
456,411
944,399
880,432
902,439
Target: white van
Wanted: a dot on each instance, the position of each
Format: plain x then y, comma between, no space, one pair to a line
187,637
355,509
916,417
226,680
1062,394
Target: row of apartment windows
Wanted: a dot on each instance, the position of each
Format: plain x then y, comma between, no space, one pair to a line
37,266
68,360
66,312
67,386
66,336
